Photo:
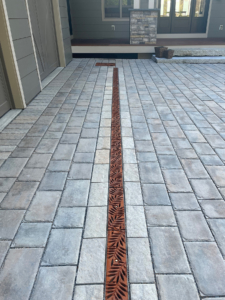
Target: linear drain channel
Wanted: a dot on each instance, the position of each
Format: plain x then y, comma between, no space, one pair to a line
105,65
116,263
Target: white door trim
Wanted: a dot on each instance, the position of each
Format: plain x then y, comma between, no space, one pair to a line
32,39
10,58
209,17
58,31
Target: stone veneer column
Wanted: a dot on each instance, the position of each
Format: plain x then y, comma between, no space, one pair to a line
143,26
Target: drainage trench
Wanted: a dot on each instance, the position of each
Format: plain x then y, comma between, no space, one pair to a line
116,260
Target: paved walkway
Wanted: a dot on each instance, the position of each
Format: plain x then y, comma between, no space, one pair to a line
54,184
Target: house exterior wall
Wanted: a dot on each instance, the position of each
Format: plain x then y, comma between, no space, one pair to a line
217,18
21,36
87,21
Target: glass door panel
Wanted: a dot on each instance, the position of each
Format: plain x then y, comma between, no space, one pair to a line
165,8
181,16
164,21
182,8
200,8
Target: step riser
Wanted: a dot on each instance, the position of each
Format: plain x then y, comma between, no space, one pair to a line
193,52
190,60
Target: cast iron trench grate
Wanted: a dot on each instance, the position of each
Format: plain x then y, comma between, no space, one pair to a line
105,65
116,261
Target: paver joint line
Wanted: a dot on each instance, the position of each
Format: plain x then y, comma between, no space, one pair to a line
116,262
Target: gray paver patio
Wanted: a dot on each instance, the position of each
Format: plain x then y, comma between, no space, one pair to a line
54,184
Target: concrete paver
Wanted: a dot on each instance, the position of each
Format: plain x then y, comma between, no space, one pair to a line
54,177
54,282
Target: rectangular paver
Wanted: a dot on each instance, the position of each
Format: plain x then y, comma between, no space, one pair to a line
155,194
160,216
176,181
43,207
193,226
150,172
9,223
20,195
218,229
54,282
96,222
167,250
18,273
32,235
69,217
208,267
136,224
4,247
12,167
143,291
177,287
80,171
63,247
53,181
140,263
86,292
92,261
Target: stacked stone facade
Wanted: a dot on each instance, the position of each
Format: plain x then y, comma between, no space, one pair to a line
143,26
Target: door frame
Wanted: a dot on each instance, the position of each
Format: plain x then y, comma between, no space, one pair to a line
187,19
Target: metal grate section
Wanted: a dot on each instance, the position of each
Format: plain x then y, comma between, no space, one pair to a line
116,264
105,65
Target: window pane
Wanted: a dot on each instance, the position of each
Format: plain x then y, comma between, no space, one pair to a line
126,5
165,8
200,8
112,8
182,8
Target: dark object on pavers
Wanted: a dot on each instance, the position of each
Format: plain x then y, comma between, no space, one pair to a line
105,65
159,51
168,53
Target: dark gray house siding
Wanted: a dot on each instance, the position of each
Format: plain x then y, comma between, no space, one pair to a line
217,18
87,22
21,35
65,30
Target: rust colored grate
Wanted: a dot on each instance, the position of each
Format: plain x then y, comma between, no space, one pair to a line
116,263
105,65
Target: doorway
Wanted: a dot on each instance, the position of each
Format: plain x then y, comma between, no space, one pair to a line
43,27
183,16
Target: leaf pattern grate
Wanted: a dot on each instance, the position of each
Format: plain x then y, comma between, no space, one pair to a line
116,263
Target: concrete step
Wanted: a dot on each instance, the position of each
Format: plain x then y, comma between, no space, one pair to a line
200,51
191,60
